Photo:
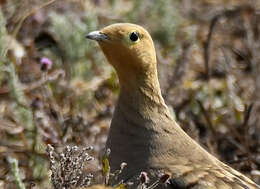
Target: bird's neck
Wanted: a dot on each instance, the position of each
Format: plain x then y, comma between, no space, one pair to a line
141,94
140,116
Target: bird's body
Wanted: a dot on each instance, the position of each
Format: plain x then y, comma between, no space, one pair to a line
143,133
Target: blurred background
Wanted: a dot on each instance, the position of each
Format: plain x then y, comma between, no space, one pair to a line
57,88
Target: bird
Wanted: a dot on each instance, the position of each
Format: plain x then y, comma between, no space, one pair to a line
143,132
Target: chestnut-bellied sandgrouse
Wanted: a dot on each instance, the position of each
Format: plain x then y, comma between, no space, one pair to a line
143,132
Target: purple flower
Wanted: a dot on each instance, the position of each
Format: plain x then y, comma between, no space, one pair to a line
46,64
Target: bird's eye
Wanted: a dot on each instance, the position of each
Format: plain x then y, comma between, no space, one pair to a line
134,36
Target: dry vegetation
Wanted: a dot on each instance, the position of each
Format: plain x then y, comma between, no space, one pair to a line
56,87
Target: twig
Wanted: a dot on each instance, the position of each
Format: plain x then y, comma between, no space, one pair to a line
245,127
214,21
180,67
238,53
208,43
207,117
51,77
19,25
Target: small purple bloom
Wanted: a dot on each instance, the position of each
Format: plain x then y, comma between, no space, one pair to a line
46,64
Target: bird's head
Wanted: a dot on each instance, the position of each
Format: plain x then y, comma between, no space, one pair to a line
128,47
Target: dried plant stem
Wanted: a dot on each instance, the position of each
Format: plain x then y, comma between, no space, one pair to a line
20,23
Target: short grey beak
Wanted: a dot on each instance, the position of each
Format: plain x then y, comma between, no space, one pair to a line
97,36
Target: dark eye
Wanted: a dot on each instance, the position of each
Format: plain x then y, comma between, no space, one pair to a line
134,36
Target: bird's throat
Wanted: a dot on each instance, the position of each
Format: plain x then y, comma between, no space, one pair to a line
141,94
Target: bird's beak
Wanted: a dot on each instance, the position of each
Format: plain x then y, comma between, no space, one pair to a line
97,36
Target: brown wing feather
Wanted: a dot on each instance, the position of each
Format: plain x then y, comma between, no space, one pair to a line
212,178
